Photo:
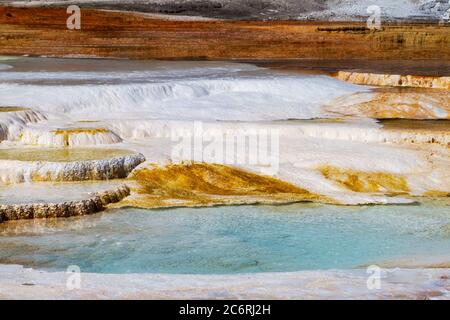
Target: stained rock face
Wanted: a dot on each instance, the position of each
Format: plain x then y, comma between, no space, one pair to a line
394,80
433,104
205,184
14,171
43,29
91,205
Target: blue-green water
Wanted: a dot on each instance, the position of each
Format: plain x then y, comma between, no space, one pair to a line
229,239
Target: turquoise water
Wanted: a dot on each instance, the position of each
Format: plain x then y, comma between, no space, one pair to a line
229,239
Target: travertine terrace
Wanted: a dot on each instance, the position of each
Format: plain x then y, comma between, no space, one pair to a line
93,204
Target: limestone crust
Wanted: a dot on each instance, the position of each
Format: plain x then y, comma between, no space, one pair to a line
96,203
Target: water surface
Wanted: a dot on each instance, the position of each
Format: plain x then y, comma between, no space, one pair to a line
60,155
225,240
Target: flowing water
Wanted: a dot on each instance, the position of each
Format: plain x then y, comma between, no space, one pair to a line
174,90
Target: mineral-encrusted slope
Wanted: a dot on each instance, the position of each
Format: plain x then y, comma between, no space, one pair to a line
12,123
13,171
93,204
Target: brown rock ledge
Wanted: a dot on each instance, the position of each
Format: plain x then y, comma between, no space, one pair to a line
43,31
94,204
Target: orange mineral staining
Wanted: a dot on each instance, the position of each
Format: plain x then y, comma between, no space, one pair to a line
367,182
200,184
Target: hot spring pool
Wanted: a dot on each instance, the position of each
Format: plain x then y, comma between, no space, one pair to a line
61,154
223,240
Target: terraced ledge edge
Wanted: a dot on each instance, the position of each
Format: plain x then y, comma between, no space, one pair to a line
394,80
15,171
91,205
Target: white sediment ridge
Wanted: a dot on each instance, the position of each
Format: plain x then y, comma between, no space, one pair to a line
331,284
246,98
42,210
16,171
76,135
12,123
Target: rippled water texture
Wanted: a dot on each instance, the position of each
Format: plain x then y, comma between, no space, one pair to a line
229,239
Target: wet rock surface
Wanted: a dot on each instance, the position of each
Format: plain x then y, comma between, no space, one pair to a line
329,284
96,203
14,119
395,80
13,171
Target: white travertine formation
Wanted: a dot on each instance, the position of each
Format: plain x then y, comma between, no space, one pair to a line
158,117
366,132
248,98
394,80
363,145
14,171
391,104
68,137
397,283
93,204
12,123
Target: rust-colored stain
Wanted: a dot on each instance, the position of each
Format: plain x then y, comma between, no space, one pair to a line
12,109
394,105
367,182
199,184
394,80
437,194
66,133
